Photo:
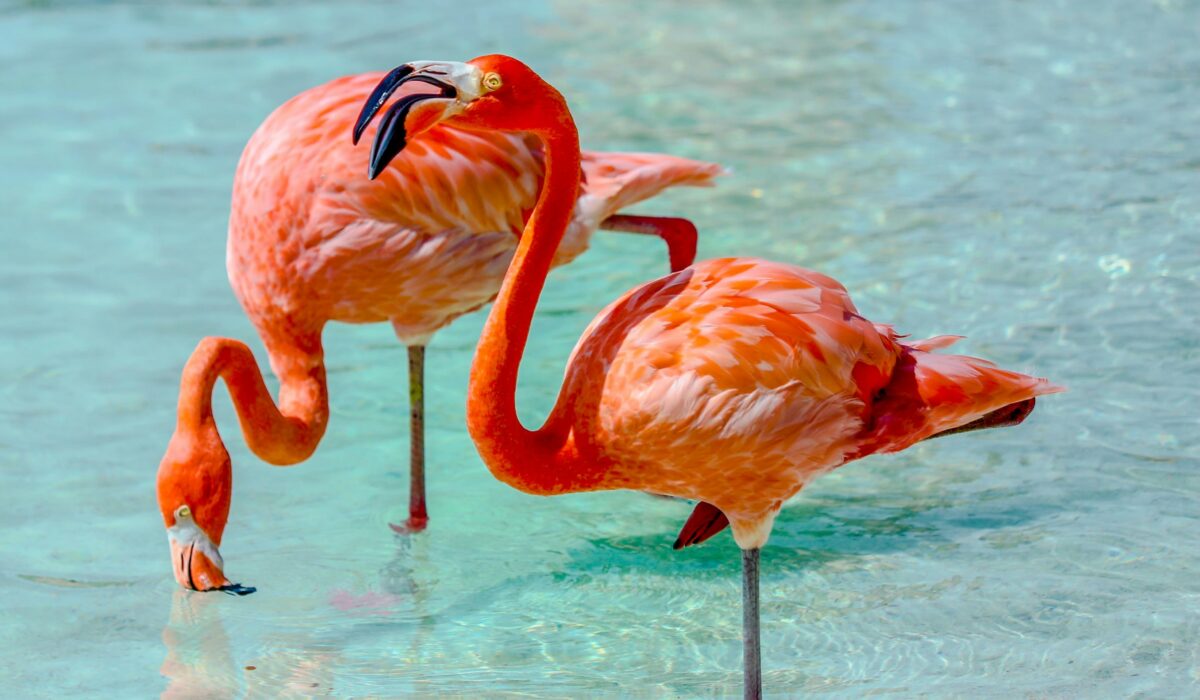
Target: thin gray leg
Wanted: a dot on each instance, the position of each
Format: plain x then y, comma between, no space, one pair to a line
751,644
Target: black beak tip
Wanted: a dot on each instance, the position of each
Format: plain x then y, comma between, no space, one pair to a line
237,589
376,166
378,96
390,136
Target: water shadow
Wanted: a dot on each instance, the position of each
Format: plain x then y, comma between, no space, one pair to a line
812,534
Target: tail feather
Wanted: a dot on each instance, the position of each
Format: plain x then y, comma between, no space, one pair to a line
931,394
613,181
937,342
959,389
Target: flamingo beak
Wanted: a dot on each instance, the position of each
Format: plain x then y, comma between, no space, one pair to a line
198,565
457,83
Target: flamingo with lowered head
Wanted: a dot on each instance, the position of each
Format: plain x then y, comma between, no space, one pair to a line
734,382
312,240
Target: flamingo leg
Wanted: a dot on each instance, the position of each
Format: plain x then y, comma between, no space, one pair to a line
679,234
751,644
418,516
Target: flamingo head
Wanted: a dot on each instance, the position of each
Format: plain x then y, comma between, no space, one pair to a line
195,482
493,93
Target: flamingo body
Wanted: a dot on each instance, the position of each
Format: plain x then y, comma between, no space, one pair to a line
738,381
312,240
733,381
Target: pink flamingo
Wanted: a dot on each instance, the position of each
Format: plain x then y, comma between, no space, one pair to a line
312,240
734,382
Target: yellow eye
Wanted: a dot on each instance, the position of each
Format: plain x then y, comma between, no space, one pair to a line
492,81
183,512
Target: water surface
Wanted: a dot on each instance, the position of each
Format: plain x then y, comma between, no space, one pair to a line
1021,173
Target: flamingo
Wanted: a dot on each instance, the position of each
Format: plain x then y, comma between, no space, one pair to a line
312,240
733,382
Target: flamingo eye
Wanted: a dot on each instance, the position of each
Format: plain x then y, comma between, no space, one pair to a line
183,512
492,81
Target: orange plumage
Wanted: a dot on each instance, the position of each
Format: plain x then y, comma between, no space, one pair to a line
734,382
312,240
738,381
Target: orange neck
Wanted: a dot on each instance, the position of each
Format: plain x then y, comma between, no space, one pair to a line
196,471
280,436
542,461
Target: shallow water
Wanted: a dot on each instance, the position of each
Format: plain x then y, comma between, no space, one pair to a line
1022,173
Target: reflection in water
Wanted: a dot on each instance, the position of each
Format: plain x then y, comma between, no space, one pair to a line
199,663
1023,173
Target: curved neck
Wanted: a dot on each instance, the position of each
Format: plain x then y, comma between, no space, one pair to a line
541,461
281,436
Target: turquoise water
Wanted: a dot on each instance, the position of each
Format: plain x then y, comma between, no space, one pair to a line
1022,173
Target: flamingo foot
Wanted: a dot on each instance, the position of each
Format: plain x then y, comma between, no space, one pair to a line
411,526
679,234
705,521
